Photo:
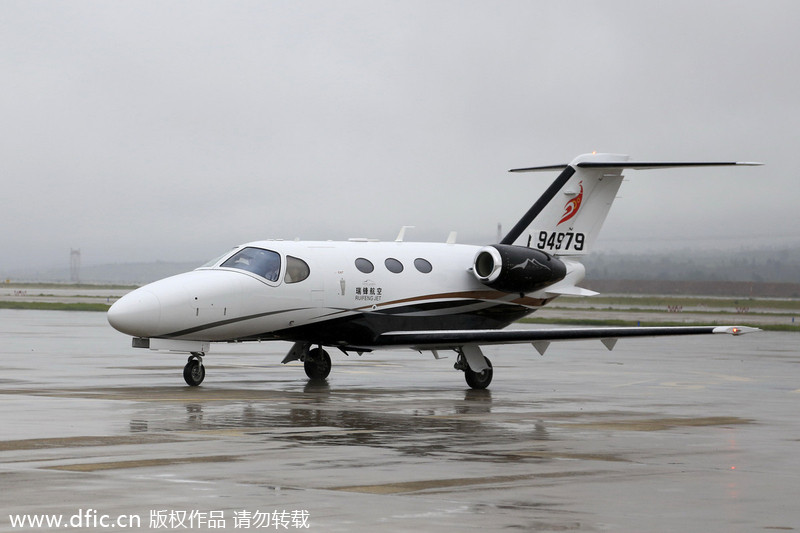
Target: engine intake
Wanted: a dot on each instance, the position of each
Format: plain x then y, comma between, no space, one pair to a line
511,268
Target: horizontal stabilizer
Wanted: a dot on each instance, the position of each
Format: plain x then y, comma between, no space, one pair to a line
540,169
639,165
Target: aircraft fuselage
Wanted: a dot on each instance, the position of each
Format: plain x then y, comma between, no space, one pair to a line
350,293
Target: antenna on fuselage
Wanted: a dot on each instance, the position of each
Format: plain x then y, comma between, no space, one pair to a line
402,234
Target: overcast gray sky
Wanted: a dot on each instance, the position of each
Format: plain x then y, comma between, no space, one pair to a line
141,131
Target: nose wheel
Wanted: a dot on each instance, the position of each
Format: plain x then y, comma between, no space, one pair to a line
194,372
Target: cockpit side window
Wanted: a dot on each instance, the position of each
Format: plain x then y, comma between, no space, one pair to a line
264,263
296,270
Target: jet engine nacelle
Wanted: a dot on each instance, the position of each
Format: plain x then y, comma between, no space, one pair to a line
520,269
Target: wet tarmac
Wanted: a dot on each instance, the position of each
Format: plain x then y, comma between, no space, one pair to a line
673,434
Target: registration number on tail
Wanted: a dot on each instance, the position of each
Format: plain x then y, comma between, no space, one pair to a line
555,240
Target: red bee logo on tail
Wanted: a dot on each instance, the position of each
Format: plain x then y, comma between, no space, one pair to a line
571,209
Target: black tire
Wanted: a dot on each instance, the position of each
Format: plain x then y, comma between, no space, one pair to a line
479,380
194,373
317,364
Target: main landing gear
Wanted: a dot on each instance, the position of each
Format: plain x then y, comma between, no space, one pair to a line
194,372
316,361
476,380
317,364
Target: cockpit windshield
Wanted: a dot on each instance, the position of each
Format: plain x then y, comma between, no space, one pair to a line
264,263
216,260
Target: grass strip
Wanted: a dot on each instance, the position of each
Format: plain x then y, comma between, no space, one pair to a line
54,306
76,286
695,301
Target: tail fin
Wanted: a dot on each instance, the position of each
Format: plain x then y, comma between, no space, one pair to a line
566,219
568,216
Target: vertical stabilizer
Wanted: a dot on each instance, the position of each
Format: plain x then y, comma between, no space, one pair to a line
567,218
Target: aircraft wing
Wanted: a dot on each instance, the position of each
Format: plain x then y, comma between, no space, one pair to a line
541,338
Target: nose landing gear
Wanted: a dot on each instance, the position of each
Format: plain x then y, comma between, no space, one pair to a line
194,372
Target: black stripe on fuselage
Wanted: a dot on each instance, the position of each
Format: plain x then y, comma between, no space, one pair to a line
345,326
363,329
537,207
219,323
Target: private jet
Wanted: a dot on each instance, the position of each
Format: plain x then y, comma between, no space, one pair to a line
362,295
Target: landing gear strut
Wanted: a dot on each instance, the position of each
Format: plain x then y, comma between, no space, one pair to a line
194,372
476,380
317,364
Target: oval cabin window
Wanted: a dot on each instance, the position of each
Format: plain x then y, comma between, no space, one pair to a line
423,265
364,265
393,265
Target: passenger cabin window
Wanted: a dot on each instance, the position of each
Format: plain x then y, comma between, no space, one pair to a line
423,265
264,263
393,265
296,270
364,265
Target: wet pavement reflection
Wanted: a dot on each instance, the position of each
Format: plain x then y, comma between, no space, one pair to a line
658,435
315,417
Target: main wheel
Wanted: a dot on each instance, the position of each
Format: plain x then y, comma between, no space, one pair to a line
317,364
479,380
194,373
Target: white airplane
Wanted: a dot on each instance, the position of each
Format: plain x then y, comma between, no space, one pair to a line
362,295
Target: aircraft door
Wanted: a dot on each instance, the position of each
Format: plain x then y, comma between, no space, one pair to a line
337,289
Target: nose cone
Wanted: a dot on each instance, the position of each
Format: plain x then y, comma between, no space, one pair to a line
137,314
